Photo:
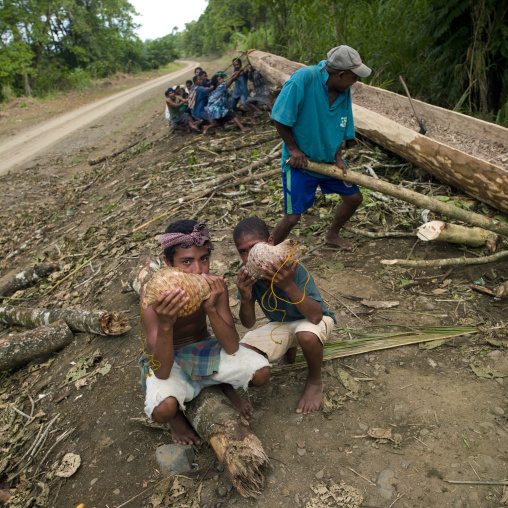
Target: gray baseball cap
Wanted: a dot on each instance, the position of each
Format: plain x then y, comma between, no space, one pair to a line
344,58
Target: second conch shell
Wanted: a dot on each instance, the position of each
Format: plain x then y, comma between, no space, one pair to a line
168,279
262,253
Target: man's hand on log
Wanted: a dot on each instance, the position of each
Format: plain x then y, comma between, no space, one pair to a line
340,163
297,158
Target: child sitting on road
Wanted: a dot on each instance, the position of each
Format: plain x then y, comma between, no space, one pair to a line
188,357
308,323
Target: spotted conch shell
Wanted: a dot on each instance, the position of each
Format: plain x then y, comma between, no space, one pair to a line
262,253
196,288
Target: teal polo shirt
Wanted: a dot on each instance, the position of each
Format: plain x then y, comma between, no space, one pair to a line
304,105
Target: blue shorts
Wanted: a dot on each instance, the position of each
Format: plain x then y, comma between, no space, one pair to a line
300,188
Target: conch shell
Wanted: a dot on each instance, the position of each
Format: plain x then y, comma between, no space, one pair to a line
196,288
262,253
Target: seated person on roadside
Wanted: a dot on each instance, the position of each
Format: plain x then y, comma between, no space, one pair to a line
308,323
197,70
200,100
188,86
261,96
217,110
241,91
186,356
178,118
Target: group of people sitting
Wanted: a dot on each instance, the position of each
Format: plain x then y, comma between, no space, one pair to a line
204,104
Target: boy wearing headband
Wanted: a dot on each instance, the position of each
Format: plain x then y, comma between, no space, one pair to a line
190,357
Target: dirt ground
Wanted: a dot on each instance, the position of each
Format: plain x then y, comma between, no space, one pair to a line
442,411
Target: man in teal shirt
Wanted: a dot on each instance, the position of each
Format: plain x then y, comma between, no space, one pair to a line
313,116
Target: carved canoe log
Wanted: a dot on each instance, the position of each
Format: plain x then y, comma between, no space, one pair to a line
99,322
26,346
479,178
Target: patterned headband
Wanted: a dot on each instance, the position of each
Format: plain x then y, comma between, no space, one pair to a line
200,236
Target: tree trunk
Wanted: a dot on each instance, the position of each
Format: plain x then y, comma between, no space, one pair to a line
99,322
440,231
29,277
26,346
479,178
216,421
237,448
410,196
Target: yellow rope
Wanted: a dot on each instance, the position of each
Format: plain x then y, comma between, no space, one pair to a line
270,290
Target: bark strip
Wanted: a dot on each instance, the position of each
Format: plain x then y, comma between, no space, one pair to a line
29,277
423,263
26,346
99,322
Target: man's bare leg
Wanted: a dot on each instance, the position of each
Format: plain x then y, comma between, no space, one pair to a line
240,125
181,430
343,213
313,392
284,227
243,406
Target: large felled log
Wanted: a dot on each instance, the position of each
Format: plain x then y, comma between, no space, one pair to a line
28,277
237,448
477,177
440,231
99,322
23,347
410,196
211,414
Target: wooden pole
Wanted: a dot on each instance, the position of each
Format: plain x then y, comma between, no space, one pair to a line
99,322
415,198
26,346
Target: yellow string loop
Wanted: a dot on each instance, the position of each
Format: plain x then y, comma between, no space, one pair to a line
273,307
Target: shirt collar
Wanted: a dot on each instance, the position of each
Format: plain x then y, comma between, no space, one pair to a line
323,72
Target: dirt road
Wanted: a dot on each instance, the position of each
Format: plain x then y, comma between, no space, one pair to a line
27,144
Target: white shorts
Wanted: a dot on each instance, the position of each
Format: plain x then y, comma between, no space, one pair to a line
236,369
284,336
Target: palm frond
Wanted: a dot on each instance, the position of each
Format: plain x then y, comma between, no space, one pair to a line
374,341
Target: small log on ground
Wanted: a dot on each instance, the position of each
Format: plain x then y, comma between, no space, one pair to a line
410,196
99,322
424,263
28,345
237,448
440,231
212,415
29,277
103,158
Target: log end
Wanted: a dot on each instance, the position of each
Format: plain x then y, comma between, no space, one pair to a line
247,463
114,323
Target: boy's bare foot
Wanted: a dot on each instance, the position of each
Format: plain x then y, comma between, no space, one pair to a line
243,407
181,430
311,398
337,241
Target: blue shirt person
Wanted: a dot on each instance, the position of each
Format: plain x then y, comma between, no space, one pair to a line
313,116
241,90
